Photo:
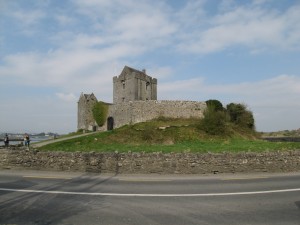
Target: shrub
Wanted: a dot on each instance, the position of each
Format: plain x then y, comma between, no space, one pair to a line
219,121
214,104
239,115
100,113
214,122
148,134
79,131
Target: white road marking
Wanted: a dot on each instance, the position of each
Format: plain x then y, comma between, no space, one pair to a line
48,177
143,180
243,178
150,195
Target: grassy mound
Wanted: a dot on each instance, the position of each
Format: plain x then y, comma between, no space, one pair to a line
170,135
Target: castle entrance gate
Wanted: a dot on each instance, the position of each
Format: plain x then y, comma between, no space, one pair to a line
110,123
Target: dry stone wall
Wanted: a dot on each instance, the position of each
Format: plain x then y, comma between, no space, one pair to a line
145,163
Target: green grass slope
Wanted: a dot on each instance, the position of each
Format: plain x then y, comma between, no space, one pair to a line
169,135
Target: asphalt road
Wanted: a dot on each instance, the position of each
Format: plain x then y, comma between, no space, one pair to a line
47,198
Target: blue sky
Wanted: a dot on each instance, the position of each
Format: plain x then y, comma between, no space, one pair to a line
234,51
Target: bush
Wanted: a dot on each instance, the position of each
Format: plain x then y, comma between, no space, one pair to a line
239,115
214,122
219,121
214,104
148,135
100,113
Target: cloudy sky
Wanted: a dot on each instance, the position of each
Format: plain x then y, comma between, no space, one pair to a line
234,51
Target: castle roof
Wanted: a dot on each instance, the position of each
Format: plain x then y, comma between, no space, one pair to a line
87,97
131,70
128,71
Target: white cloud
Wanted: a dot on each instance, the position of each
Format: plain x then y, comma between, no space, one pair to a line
191,89
251,26
138,23
87,41
64,20
86,59
193,12
143,27
26,22
161,73
28,18
284,88
60,67
226,5
68,97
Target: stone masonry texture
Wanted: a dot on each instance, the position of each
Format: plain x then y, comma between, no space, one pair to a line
141,111
133,85
85,115
147,163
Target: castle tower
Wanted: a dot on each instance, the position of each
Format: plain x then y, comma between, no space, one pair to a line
85,116
134,85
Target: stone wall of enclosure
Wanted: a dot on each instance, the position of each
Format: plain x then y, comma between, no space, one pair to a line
146,163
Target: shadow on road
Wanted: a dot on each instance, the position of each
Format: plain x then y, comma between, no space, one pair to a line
297,204
45,209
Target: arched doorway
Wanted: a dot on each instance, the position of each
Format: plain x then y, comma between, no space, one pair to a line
110,123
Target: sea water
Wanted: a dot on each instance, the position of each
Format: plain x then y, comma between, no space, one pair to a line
32,140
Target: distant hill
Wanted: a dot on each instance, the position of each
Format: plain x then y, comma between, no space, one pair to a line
283,133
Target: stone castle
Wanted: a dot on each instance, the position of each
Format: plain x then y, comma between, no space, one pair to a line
134,101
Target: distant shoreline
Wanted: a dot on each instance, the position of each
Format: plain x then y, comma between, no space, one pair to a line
282,139
16,141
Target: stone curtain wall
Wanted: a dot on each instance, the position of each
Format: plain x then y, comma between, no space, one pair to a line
141,111
145,163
